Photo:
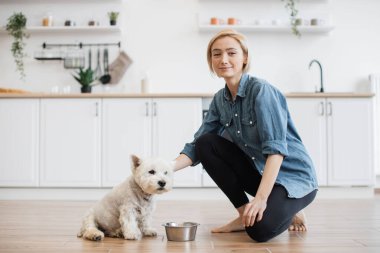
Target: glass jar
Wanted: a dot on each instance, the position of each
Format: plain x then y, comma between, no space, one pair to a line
47,20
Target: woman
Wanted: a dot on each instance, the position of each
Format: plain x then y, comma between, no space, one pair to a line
265,157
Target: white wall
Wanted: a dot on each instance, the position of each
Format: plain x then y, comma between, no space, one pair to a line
162,36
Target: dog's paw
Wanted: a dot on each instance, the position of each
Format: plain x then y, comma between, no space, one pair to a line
132,235
150,232
116,234
94,235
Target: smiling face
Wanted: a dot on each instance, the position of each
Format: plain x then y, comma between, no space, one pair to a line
227,57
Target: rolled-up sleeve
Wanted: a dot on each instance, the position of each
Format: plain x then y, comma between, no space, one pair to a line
210,124
271,112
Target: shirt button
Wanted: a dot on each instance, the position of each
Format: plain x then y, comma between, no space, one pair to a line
261,171
245,145
227,124
253,158
250,122
236,115
238,132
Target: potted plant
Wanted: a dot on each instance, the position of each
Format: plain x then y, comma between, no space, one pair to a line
16,27
113,17
85,77
291,6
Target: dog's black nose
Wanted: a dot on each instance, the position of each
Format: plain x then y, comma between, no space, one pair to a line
161,183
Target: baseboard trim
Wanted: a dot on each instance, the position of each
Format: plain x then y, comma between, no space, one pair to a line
175,194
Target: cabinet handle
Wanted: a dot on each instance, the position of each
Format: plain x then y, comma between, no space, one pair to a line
329,108
146,109
96,109
154,109
321,108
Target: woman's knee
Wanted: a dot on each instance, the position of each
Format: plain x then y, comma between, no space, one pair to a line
260,236
204,142
262,231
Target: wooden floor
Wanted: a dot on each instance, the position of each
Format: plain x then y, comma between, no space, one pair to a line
51,226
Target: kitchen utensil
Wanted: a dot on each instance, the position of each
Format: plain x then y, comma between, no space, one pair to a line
89,58
233,21
74,59
119,66
98,71
106,78
180,232
317,21
69,23
93,23
216,21
49,54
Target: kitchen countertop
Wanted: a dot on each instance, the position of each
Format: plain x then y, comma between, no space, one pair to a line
329,95
179,95
106,95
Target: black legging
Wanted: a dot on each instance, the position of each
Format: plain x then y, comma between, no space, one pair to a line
234,173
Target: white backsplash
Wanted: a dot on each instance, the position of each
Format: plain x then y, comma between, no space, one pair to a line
162,38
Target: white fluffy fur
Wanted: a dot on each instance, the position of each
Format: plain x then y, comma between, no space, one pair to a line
126,211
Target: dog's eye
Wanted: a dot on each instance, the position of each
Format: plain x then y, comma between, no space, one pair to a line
166,173
152,172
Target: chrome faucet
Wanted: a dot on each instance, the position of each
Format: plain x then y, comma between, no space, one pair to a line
321,73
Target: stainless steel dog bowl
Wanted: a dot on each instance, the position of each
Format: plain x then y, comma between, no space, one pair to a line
180,232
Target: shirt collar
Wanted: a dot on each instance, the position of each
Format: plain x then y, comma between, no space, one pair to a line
241,90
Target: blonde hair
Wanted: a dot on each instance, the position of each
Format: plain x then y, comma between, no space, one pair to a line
240,38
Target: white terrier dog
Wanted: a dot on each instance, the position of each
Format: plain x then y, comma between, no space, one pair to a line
126,211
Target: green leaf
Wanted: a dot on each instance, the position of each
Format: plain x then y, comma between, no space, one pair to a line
290,5
85,77
16,27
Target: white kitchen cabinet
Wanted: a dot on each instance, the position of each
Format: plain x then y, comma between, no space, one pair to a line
310,120
19,131
126,130
350,139
70,142
148,127
338,134
175,120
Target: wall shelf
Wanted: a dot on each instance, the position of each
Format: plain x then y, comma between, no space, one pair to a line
48,29
267,28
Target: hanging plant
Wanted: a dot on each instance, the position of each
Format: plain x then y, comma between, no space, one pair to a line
16,27
291,7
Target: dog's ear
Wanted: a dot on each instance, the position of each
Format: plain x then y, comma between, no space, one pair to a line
135,162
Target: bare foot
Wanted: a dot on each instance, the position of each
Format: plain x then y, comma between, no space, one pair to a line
233,226
299,222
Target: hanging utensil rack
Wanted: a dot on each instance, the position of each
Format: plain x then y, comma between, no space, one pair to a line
80,45
47,54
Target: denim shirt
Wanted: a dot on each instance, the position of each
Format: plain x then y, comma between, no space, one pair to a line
259,123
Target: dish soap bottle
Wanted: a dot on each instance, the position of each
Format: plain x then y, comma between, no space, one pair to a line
145,83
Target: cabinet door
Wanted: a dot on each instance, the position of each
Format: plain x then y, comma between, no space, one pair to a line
19,130
70,142
309,116
127,128
175,120
350,134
